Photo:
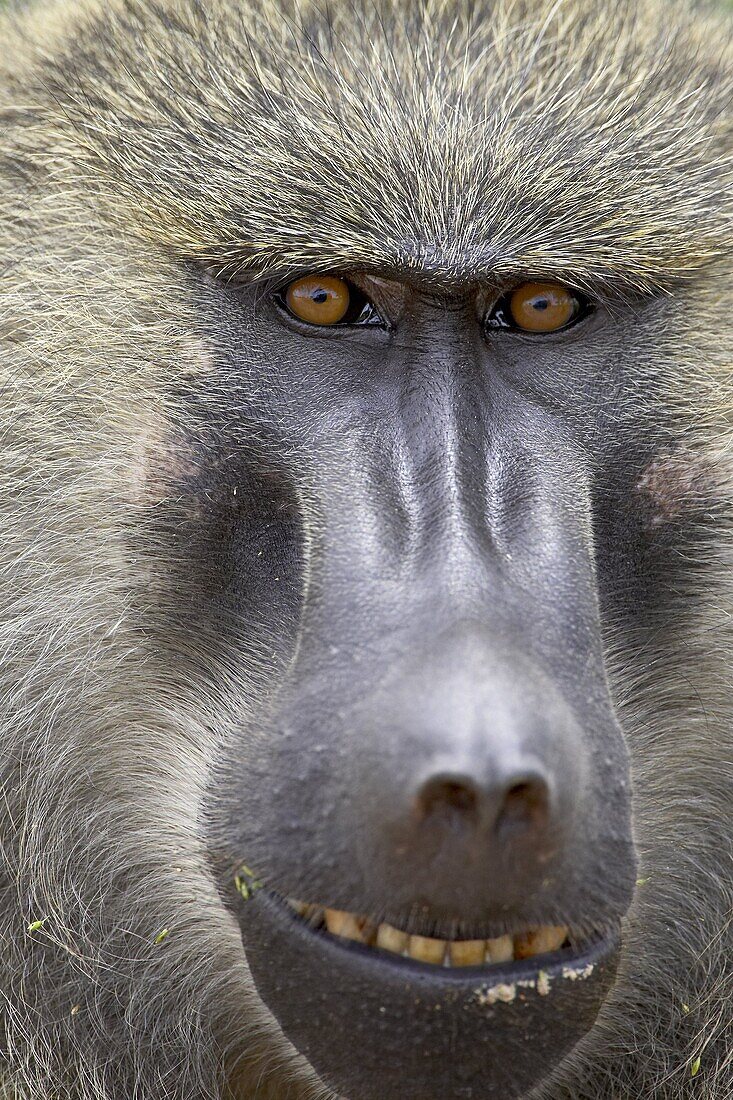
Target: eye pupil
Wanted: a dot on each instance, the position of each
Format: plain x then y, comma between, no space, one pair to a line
320,297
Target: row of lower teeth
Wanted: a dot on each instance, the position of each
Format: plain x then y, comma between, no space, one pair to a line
536,941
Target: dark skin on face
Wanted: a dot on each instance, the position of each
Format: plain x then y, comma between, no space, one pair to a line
427,567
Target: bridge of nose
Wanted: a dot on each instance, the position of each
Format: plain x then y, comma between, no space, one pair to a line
443,487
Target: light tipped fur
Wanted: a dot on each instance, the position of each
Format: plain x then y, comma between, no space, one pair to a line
147,145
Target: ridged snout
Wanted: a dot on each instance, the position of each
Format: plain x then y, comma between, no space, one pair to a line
444,753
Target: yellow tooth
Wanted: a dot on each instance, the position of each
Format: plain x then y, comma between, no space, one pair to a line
299,906
344,924
426,950
391,939
368,932
467,952
539,941
501,949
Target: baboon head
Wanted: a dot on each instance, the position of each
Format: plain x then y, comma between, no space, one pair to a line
368,610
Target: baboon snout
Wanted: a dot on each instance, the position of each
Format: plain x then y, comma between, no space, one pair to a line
467,789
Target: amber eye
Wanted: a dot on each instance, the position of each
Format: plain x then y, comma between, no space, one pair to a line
539,308
542,307
318,299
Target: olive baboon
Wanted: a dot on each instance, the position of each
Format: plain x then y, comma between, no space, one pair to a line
366,613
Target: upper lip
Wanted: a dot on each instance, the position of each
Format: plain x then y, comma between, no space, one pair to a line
504,942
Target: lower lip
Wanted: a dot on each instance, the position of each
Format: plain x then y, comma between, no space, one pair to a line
379,1027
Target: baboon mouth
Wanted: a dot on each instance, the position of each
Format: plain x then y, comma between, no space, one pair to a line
491,954
378,1019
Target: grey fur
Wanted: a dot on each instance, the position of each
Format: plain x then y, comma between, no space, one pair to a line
141,140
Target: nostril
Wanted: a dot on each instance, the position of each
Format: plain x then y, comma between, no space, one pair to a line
526,805
518,804
449,796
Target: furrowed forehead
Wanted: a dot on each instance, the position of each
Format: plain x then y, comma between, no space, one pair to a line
553,139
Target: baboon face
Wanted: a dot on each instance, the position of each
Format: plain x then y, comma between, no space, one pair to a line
367,409
441,757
